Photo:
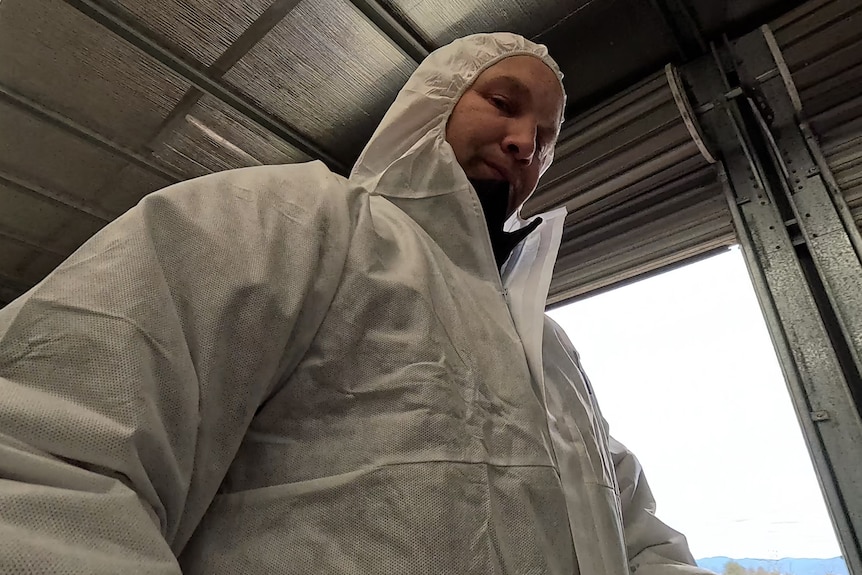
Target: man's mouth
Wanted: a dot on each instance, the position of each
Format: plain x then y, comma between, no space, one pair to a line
499,172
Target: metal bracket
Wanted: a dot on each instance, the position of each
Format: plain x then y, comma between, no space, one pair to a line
802,263
821,415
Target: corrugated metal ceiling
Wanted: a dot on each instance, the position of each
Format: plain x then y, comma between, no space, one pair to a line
89,122
202,30
326,72
607,47
58,57
441,21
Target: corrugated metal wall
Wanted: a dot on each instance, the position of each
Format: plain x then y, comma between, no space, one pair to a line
640,192
822,44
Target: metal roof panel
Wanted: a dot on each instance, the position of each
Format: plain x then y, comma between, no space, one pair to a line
45,223
57,56
441,21
37,151
213,137
326,71
203,29
127,187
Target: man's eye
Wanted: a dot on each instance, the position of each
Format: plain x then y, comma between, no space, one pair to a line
501,103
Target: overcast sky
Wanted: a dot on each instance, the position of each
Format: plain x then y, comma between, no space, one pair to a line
686,375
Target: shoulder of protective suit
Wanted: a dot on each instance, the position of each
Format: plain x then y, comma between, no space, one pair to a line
554,327
555,334
297,188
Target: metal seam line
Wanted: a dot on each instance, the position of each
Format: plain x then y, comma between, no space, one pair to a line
31,243
68,125
268,20
58,197
120,27
392,29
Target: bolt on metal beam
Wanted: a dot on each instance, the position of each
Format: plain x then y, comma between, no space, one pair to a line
802,263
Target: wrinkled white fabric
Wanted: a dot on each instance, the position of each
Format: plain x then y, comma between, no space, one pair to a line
279,370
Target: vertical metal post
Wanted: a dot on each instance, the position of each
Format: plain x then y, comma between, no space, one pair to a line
801,257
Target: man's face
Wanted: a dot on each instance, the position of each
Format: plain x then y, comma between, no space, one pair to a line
505,125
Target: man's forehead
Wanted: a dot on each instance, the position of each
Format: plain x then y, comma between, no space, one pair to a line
527,76
509,81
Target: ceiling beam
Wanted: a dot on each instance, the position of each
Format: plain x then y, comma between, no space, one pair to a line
399,33
38,110
269,19
61,198
683,28
31,243
120,23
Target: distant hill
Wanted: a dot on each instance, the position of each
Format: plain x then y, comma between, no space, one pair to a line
834,566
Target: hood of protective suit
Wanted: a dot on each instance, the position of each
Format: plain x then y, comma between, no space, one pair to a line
409,162
408,157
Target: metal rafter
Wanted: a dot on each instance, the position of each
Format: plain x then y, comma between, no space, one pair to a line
10,235
61,198
392,28
36,109
683,27
268,20
121,24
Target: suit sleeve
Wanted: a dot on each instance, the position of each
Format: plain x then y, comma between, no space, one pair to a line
653,548
129,376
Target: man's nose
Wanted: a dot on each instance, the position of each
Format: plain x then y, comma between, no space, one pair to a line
520,141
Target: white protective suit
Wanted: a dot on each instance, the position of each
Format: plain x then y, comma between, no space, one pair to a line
280,370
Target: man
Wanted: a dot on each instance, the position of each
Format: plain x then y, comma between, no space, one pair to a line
278,370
